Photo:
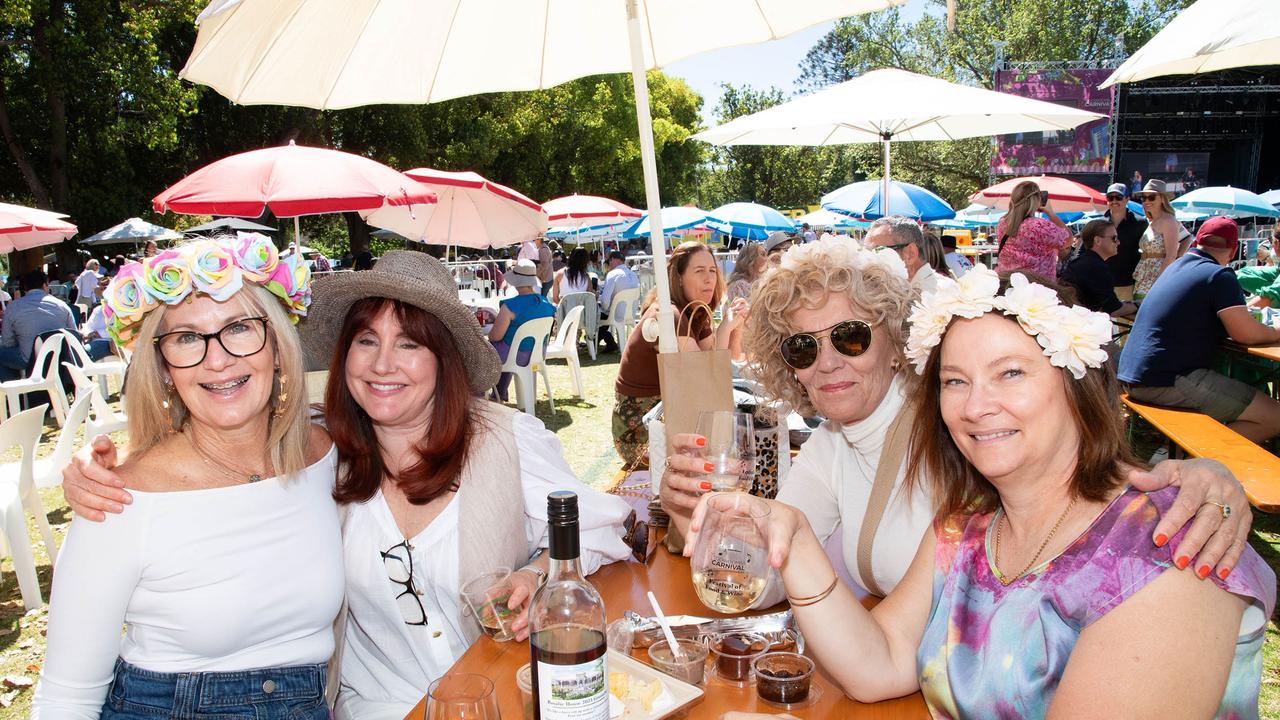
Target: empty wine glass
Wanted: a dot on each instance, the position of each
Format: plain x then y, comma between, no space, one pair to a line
730,448
731,556
462,696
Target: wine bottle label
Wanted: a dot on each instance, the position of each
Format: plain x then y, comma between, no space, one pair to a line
574,692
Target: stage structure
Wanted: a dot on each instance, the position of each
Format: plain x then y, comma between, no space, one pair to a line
1220,128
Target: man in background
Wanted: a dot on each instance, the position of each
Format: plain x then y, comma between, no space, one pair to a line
1129,230
35,313
806,233
1088,272
905,236
546,270
620,277
1195,305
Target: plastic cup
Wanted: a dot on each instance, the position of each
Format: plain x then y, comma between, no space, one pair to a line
524,678
690,668
735,652
783,677
486,597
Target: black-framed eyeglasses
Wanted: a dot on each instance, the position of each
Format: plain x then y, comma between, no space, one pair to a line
398,561
895,247
187,348
850,338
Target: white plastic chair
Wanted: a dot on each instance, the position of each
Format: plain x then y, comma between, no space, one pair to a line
565,347
22,431
101,419
470,297
526,375
622,316
44,377
101,369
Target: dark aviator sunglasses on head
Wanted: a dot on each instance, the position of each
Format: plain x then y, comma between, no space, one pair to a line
850,338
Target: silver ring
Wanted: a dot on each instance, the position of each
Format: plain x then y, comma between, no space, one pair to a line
1226,509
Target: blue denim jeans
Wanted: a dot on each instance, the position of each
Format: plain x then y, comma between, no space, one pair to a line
285,693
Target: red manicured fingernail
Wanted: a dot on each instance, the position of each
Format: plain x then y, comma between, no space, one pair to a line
1161,539
700,442
1182,562
1224,572
1203,572
708,467
704,485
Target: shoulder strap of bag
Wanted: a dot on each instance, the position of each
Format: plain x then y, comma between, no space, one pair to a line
891,457
1000,247
692,309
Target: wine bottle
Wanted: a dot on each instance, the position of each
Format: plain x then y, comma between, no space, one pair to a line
567,628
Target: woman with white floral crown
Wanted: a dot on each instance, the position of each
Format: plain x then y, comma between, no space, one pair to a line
1039,564
833,317
210,570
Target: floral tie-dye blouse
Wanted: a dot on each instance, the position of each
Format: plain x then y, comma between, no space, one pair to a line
991,651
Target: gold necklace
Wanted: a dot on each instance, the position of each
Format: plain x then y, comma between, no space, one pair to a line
1006,580
237,475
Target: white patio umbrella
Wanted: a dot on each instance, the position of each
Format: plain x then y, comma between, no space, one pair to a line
134,230
332,54
23,228
889,104
1210,35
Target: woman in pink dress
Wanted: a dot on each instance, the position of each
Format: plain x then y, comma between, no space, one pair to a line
1028,242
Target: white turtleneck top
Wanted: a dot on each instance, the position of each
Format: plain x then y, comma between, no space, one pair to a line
831,479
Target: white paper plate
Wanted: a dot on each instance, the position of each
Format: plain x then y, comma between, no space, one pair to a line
681,693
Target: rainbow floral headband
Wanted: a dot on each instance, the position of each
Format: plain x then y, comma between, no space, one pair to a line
217,268
1072,337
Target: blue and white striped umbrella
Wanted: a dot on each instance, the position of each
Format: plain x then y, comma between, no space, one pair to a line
750,221
673,219
862,199
1226,200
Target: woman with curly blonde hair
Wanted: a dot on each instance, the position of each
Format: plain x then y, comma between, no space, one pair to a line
828,328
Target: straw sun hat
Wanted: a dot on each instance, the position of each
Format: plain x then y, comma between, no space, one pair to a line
410,277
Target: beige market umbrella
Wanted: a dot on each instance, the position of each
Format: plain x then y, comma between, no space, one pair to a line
1210,35
344,53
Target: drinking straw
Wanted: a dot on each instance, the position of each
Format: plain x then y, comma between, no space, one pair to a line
676,651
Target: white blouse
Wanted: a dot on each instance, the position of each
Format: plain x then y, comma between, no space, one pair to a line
233,578
387,666
831,479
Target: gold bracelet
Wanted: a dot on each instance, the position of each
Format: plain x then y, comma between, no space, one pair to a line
812,599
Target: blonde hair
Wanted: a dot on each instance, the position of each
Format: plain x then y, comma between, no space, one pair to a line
150,423
744,266
1020,206
808,275
1165,206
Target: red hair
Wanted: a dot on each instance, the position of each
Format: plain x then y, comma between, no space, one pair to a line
441,453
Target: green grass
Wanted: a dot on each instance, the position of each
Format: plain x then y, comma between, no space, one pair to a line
582,426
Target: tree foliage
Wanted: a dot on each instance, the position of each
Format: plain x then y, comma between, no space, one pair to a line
97,122
779,176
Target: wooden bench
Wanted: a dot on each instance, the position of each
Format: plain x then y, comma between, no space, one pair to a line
1201,436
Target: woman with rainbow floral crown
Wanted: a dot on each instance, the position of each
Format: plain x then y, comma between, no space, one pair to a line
1036,591
231,484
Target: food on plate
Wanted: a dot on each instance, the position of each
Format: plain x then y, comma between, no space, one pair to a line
627,688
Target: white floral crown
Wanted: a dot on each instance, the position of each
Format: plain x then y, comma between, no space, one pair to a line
854,254
1072,337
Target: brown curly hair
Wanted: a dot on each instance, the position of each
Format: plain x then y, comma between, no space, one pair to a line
807,275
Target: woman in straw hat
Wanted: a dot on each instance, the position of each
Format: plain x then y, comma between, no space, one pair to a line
439,485
513,312
1164,240
231,487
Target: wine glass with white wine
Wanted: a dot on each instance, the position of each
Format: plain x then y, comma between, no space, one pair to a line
730,448
731,557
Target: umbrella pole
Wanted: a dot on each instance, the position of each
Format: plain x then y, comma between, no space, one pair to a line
884,189
297,233
649,163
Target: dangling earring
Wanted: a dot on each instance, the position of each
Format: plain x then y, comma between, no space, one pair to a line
171,409
168,387
282,397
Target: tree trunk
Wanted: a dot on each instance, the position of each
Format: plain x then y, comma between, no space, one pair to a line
357,231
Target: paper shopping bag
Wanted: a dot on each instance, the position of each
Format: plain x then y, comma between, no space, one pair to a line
692,382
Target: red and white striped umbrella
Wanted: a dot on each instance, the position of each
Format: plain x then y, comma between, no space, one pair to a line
575,210
472,212
1064,194
23,228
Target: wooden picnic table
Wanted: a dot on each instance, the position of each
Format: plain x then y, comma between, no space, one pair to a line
623,586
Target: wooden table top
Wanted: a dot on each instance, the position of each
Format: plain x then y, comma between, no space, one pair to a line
623,586
1268,352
